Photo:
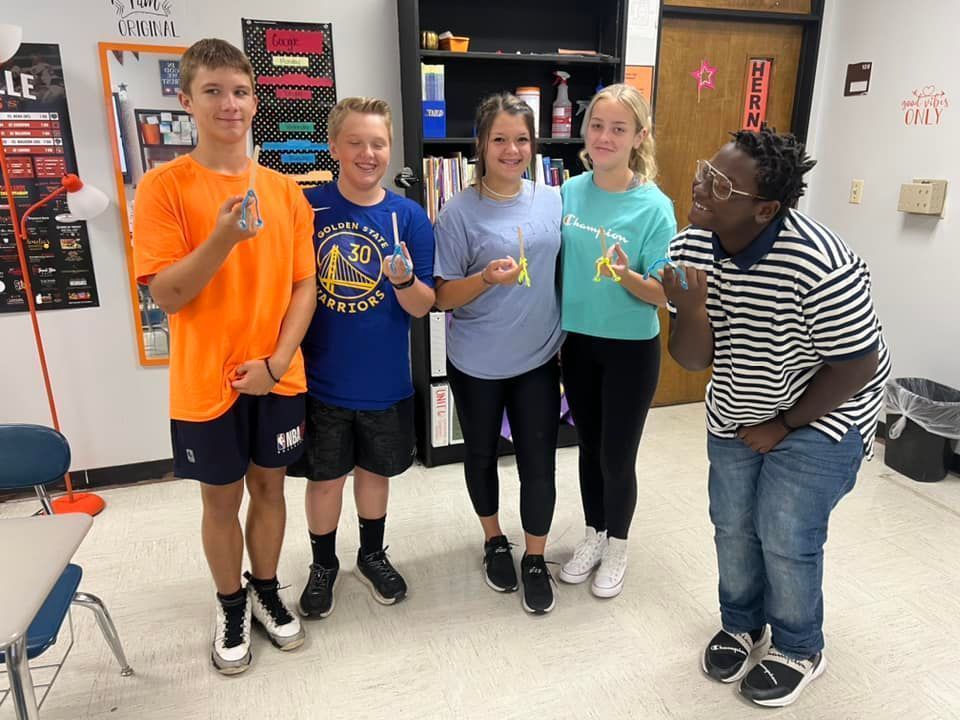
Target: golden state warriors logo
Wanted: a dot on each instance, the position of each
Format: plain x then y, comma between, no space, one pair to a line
350,267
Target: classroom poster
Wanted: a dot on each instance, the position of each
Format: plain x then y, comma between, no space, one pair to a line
640,77
169,78
296,86
36,135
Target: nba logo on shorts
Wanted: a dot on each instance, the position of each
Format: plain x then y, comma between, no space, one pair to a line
191,458
290,439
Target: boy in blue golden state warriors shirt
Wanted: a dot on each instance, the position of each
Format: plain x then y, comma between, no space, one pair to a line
360,392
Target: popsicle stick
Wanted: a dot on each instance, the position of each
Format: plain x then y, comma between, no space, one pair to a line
254,161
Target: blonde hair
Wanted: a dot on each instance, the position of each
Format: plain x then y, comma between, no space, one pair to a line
642,159
213,54
363,105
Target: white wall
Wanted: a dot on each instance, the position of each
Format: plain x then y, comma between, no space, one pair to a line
913,259
112,410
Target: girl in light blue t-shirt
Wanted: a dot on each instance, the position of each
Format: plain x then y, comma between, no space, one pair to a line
616,225
504,336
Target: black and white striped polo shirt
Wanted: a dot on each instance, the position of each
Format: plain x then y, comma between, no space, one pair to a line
797,297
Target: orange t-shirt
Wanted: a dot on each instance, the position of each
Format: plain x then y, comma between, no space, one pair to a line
237,316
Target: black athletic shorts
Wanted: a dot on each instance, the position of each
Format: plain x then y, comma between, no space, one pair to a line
339,439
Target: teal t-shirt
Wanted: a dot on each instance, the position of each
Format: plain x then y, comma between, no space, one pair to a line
642,221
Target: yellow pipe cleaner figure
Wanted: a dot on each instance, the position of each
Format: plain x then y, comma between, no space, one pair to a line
604,260
524,277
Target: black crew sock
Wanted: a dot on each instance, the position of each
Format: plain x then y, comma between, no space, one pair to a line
233,599
324,549
755,635
371,535
259,584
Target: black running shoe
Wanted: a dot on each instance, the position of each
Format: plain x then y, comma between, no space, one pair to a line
726,657
537,589
498,570
317,600
778,680
376,572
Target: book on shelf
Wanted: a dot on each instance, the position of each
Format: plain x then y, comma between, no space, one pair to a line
444,177
438,344
439,415
431,82
547,171
456,431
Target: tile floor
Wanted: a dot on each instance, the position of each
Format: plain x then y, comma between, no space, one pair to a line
456,650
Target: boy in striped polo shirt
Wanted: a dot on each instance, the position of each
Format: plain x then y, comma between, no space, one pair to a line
781,308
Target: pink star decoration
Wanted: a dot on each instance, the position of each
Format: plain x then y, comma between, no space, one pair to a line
704,76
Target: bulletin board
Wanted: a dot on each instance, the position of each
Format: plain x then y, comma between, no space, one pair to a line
36,134
296,86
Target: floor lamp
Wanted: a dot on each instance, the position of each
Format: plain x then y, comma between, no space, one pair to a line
84,203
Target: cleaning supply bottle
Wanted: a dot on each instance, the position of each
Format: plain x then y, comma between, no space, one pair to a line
562,125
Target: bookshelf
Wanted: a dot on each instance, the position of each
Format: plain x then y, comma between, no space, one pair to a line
513,43
163,135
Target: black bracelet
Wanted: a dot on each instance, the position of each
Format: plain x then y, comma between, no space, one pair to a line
404,285
266,361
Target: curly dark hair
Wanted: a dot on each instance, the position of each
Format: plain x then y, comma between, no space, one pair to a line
781,161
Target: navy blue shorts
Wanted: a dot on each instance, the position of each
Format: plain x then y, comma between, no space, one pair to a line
265,429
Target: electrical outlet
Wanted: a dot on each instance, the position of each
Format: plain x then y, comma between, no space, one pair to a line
923,197
856,191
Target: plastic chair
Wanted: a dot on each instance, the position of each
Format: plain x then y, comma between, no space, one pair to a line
35,456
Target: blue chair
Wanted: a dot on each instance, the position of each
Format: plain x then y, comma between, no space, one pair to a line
35,456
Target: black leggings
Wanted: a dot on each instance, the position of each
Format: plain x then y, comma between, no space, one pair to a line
532,402
609,385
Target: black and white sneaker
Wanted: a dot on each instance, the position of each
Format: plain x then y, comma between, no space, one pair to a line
317,599
727,656
281,626
498,570
231,638
537,585
376,572
778,680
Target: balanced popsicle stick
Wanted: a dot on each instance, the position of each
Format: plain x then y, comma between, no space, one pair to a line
524,277
250,218
398,256
604,260
254,161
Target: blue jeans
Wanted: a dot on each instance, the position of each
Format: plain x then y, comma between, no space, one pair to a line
770,513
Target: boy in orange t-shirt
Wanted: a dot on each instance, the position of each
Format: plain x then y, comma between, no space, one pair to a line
239,301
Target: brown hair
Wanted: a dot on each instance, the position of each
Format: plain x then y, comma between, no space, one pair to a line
213,54
487,112
363,105
642,159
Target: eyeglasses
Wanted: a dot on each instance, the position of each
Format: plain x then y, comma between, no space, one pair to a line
721,186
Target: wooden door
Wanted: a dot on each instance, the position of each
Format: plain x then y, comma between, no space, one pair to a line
688,128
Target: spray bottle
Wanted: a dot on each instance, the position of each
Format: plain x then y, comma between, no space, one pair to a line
562,125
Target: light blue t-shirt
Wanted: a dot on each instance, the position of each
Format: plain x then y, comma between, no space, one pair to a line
642,221
508,330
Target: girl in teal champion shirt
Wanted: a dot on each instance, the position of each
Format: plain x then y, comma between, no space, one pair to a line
616,224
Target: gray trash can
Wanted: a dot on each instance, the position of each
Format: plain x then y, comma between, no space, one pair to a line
923,418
